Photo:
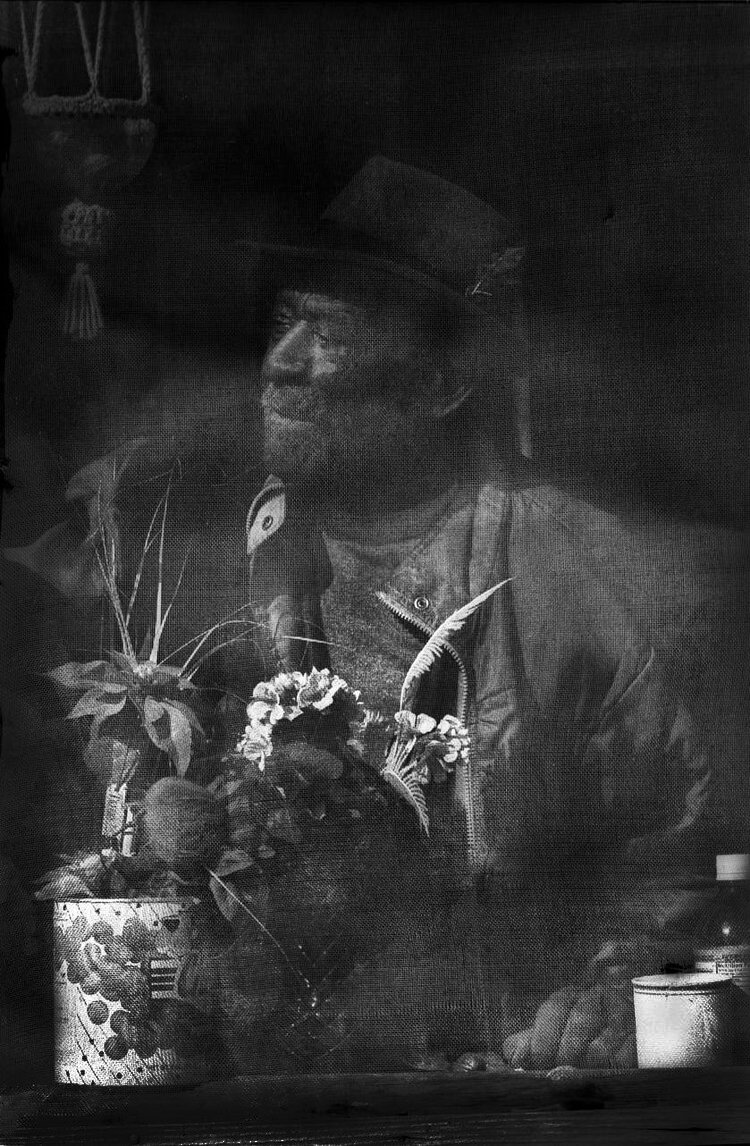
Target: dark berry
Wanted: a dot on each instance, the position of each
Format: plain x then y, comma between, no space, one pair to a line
118,952
117,1021
98,1012
137,936
77,969
74,937
91,984
115,1048
112,987
102,932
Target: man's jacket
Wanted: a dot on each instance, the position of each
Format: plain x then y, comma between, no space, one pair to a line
591,682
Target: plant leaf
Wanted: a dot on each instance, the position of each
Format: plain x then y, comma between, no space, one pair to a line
403,778
93,704
106,756
153,711
122,661
73,673
188,713
233,861
437,642
180,738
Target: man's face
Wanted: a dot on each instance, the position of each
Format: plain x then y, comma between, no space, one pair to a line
342,384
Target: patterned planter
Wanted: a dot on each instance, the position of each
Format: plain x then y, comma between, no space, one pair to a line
122,1015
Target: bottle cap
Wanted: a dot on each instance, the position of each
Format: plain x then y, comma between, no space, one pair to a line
733,866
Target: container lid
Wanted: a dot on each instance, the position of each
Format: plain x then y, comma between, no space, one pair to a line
679,981
736,866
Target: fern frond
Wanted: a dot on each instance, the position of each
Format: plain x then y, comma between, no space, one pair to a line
427,656
403,778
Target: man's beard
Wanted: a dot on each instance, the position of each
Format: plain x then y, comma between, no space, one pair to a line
359,427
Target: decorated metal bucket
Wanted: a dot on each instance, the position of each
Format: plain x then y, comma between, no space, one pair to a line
121,1015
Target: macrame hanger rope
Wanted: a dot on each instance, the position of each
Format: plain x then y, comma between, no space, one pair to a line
140,23
93,65
92,100
31,52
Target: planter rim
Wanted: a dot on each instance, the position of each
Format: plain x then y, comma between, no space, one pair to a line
126,899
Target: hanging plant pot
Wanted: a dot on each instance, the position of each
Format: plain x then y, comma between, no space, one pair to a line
124,1011
86,146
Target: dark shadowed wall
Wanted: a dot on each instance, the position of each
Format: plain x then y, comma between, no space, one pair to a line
616,135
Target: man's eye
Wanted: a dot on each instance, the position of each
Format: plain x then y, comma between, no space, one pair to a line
322,338
279,325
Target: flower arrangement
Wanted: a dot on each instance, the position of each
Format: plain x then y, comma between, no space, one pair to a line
313,774
305,763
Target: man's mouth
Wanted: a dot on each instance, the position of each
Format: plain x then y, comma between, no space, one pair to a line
286,413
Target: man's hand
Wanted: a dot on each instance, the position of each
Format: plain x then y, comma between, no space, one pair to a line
585,1027
590,1023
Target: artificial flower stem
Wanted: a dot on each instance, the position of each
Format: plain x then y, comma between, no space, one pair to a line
259,923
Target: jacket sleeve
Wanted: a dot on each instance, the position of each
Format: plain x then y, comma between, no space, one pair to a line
601,806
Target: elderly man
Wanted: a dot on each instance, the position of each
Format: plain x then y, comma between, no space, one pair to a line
396,496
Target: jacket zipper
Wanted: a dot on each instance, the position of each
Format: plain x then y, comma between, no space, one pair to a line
462,703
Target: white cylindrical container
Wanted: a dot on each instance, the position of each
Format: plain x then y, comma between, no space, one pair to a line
121,1015
683,1019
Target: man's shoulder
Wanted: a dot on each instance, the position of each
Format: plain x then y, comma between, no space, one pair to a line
569,527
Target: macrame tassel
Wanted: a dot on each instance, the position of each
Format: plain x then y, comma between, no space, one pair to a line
82,317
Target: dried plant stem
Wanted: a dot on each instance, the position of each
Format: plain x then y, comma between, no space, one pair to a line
139,572
209,633
223,645
160,621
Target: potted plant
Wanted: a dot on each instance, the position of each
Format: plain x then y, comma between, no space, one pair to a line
134,914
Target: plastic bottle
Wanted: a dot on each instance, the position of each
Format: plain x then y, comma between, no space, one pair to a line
722,938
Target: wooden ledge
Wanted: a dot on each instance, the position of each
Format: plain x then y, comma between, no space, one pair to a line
341,1108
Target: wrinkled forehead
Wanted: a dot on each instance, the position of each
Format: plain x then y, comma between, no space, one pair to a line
315,303
377,306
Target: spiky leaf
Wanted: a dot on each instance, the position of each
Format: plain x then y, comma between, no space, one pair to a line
403,778
427,656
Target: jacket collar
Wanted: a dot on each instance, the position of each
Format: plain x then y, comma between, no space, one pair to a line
453,562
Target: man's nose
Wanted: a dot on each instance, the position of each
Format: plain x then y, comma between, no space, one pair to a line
289,358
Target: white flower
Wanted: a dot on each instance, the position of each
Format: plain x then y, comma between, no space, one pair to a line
256,745
415,725
319,690
288,682
451,725
265,690
264,712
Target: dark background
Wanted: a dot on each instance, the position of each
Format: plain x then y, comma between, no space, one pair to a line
615,134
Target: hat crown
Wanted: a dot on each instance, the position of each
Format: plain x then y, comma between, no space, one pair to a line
426,224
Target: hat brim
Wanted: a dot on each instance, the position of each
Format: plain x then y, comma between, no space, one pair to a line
368,275
339,260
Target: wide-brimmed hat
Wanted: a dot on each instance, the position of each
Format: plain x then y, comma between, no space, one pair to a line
418,233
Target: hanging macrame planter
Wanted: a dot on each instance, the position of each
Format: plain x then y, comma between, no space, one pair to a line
88,145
